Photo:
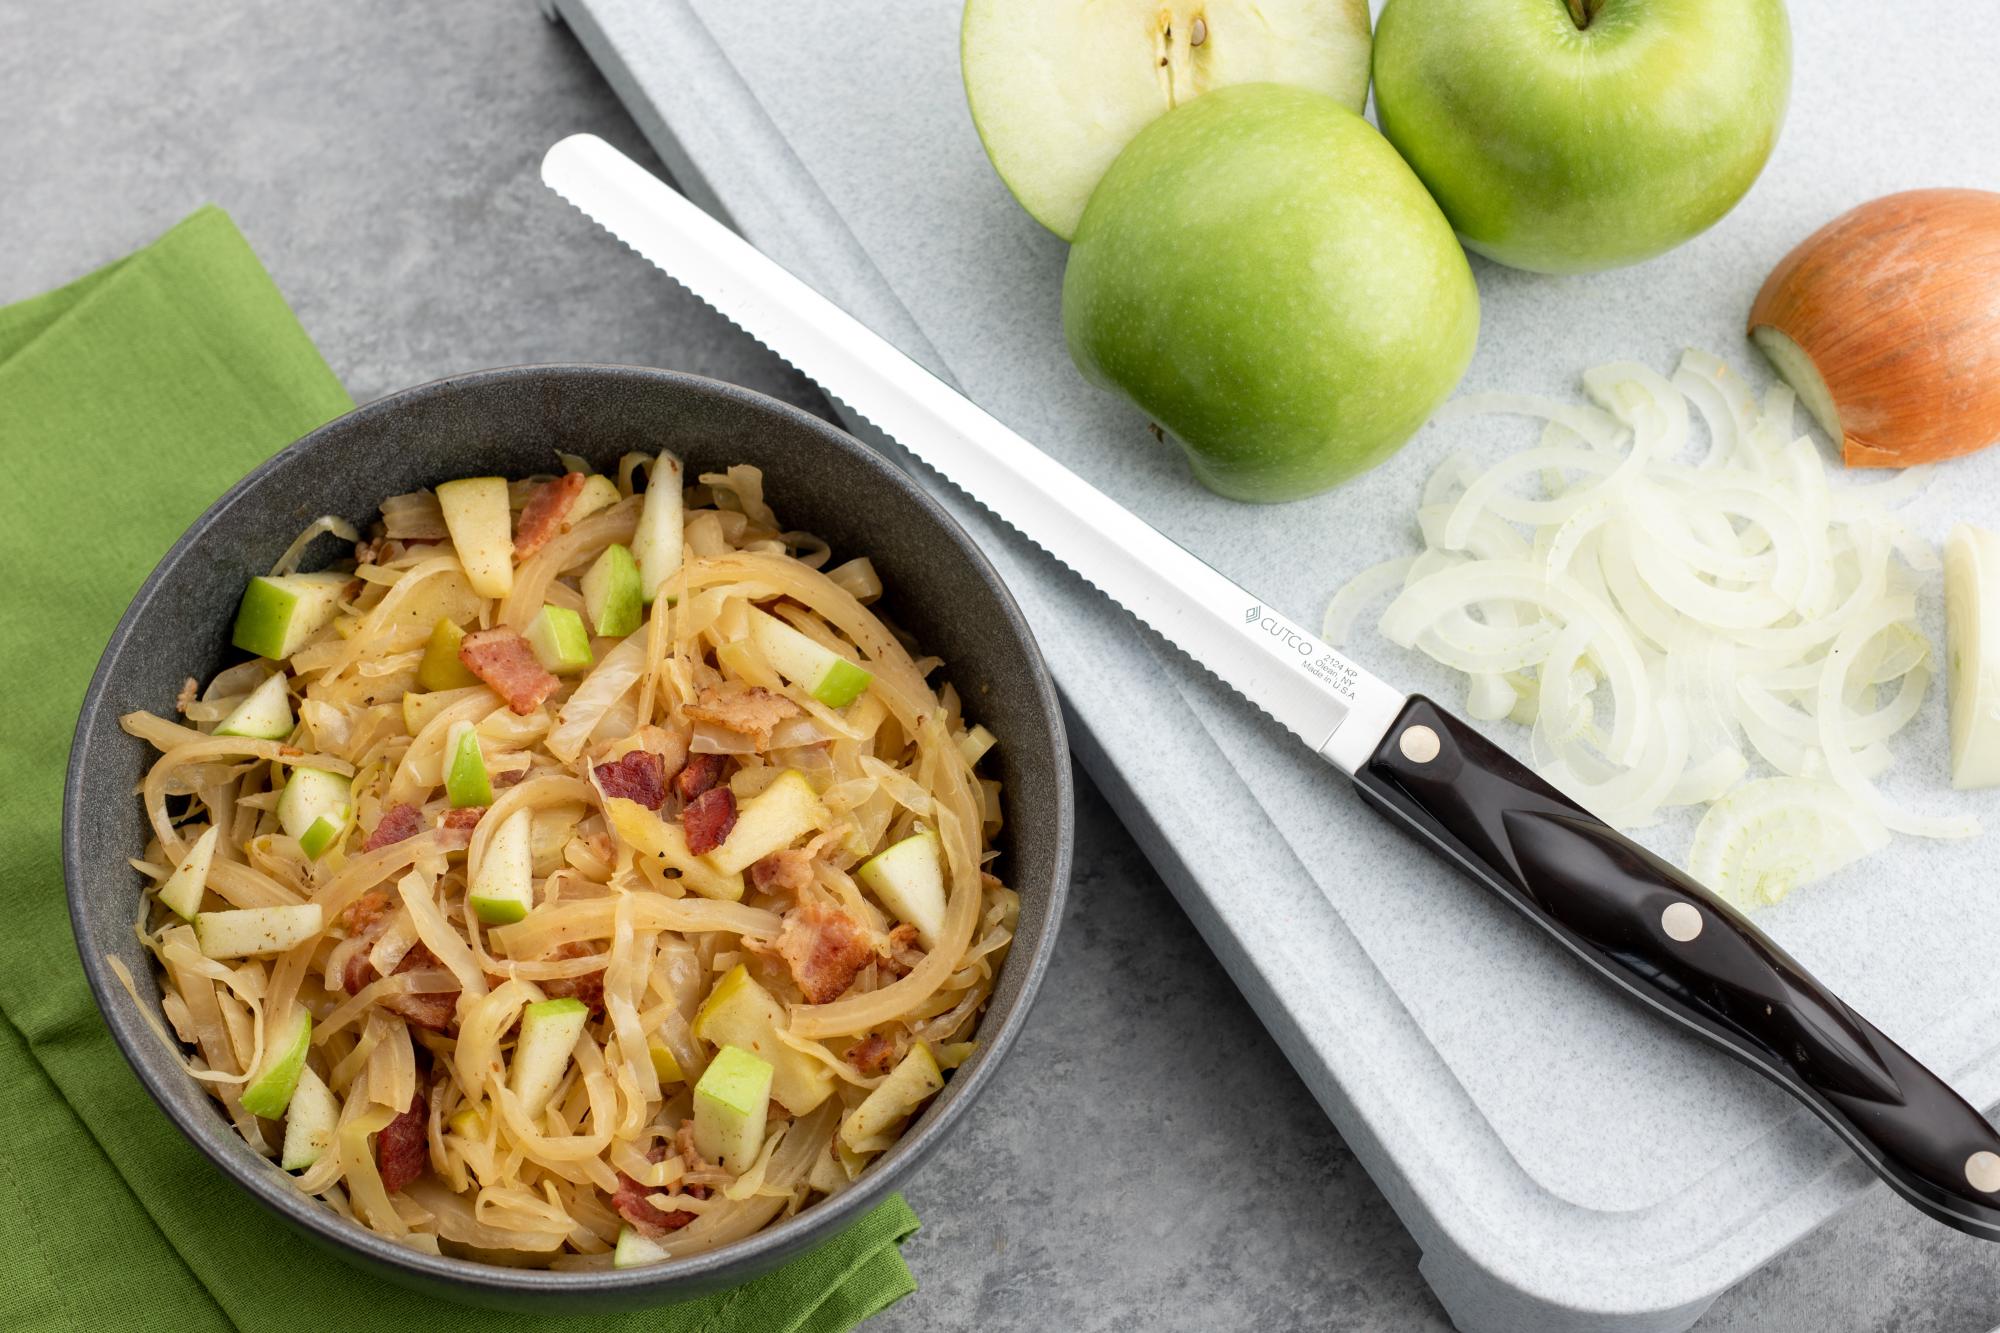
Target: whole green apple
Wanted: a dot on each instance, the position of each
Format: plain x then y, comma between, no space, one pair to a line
1567,136
1262,275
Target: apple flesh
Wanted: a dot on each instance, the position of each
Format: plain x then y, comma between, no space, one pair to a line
504,888
256,932
441,668
892,1100
561,643
656,546
1057,89
908,879
770,821
481,524
277,615
549,1029
466,782
1261,274
315,807
183,890
265,713
270,1087
732,1102
310,1121
813,667
1567,138
613,596
739,1012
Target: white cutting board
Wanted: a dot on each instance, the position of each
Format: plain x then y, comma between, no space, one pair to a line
1565,1160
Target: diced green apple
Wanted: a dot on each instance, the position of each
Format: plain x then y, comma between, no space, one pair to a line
324,832
813,667
894,1098
739,1012
635,1250
666,1067
612,593
561,643
440,668
278,615
265,713
270,1088
731,1104
183,889
316,808
482,531
310,1121
657,544
465,779
908,879
599,492
252,932
549,1030
770,821
505,887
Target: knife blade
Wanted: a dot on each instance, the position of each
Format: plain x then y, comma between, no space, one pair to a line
1637,920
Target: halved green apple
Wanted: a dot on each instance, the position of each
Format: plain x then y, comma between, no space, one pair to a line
613,596
270,1087
549,1029
908,878
561,643
481,524
1057,88
316,808
183,889
277,615
813,667
466,782
265,713
504,888
310,1121
732,1103
441,668
657,544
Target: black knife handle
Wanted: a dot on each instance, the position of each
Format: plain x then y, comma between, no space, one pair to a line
1660,935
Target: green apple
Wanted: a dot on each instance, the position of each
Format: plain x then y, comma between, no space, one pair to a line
504,888
634,1250
894,1098
814,668
420,707
1057,88
465,779
549,1029
254,932
441,668
183,889
315,807
1567,136
561,643
739,1012
481,524
731,1104
649,835
265,713
270,1087
613,596
310,1121
657,543
1262,275
277,615
666,1066
908,879
770,821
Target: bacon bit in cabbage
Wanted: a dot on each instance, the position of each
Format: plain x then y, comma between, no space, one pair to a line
708,819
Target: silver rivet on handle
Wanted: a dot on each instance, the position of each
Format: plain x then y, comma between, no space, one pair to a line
1681,921
1419,744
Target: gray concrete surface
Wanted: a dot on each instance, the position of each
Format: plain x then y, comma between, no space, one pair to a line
1146,1160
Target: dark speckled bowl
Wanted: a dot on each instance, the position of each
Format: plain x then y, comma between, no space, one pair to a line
509,421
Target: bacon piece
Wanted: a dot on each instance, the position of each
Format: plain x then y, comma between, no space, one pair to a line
545,512
638,775
747,710
402,1149
464,817
702,772
589,987
361,916
397,823
872,1055
631,1203
503,660
708,819
825,947
788,870
434,1010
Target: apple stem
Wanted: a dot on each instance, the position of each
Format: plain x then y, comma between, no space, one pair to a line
1583,11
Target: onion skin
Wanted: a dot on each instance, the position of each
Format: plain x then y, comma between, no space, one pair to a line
1897,303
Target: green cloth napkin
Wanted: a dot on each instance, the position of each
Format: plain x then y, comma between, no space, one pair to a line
129,400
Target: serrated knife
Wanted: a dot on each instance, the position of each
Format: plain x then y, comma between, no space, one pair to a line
1637,920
